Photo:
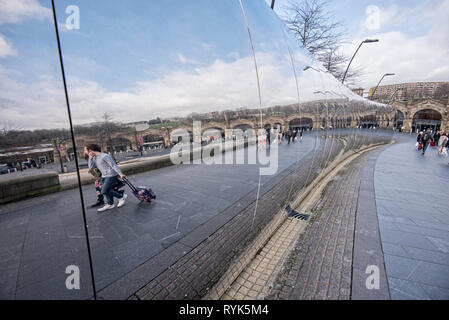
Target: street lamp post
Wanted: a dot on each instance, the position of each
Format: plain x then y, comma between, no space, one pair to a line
364,41
385,75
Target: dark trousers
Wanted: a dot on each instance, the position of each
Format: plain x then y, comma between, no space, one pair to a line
108,190
424,146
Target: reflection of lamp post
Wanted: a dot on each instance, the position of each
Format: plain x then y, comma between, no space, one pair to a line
385,75
345,120
310,67
365,41
327,106
57,145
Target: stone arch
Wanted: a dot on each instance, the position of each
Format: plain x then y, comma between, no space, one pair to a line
242,122
427,118
273,121
369,121
398,120
215,132
181,133
301,123
213,125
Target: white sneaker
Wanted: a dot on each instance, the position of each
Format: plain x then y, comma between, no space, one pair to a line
121,201
106,207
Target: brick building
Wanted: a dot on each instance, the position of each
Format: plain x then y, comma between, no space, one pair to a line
411,91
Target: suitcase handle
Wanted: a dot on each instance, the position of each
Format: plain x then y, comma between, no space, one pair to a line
130,185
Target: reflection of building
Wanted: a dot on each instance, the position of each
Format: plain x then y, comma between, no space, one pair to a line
419,105
410,91
40,154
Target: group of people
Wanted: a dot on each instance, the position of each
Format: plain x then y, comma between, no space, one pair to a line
106,172
438,139
290,136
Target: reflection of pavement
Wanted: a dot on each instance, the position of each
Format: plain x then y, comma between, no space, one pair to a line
40,237
320,266
413,209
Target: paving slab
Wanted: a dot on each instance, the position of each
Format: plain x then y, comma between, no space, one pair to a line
413,212
47,233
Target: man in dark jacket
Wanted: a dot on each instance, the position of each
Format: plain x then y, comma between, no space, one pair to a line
426,137
436,137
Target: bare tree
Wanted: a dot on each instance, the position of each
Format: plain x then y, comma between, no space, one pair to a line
315,27
335,62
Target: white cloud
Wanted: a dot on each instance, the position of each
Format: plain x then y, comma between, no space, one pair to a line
6,49
412,58
17,11
216,87
185,60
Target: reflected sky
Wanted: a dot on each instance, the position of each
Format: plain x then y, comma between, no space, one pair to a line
149,59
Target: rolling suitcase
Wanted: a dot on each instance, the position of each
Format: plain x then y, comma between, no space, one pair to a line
141,193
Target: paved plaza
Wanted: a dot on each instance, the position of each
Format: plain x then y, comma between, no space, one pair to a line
39,237
386,208
389,209
413,210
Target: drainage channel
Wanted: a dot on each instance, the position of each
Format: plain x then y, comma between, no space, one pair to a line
256,278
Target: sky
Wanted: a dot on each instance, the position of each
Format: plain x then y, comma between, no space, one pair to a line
173,57
413,38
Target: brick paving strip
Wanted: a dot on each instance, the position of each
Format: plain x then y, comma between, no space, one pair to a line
252,283
320,266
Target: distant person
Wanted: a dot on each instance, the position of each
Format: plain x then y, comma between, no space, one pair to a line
426,137
436,137
268,136
109,172
288,136
294,135
442,143
300,135
419,141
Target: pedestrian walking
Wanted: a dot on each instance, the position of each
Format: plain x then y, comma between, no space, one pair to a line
269,136
109,175
442,143
436,137
300,136
419,141
426,137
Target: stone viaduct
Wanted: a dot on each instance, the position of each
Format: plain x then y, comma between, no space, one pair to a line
406,115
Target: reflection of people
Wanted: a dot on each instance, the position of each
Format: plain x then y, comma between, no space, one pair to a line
110,173
442,142
426,140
